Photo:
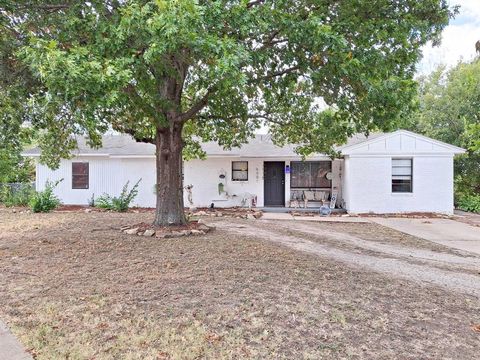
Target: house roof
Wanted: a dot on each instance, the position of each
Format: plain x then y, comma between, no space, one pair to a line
126,146
259,146
406,142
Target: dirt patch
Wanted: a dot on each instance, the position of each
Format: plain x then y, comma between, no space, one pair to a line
73,286
395,262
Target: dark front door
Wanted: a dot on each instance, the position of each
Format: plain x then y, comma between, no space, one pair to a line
274,183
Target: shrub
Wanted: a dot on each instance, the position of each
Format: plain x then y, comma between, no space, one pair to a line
91,201
120,203
16,194
46,200
469,202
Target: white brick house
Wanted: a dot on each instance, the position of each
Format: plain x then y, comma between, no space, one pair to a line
384,173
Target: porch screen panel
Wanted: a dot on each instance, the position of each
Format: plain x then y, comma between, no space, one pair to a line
310,174
299,174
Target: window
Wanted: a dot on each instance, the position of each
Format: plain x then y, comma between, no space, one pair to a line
401,175
80,175
239,170
310,174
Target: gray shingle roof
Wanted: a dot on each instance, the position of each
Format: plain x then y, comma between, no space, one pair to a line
115,145
259,146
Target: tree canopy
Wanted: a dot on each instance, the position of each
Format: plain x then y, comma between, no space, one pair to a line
15,78
448,101
217,70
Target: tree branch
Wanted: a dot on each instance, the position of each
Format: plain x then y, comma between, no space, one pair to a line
45,7
137,99
249,116
269,42
199,105
277,73
133,133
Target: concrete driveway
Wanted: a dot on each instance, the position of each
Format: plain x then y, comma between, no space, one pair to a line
447,232
10,348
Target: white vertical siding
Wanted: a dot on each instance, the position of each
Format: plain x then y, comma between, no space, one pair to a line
106,175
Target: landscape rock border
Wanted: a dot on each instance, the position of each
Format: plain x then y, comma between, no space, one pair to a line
238,213
193,228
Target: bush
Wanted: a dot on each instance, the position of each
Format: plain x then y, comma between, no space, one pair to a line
46,200
16,194
469,202
120,203
91,201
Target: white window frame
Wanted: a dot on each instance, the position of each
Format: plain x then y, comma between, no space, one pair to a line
237,170
392,175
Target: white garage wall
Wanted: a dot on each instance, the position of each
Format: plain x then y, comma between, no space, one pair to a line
368,185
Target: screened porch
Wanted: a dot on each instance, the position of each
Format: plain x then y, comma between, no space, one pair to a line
312,183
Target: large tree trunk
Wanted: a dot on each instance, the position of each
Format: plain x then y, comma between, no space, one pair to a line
169,146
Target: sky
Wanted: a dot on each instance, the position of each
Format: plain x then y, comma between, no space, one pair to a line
458,38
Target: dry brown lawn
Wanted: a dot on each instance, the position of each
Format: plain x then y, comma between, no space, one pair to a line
72,286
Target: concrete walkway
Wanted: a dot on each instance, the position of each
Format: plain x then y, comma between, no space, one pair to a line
10,347
467,217
287,216
447,232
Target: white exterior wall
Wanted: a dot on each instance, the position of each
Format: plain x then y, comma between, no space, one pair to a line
346,179
109,175
363,178
368,185
106,175
337,180
367,182
204,176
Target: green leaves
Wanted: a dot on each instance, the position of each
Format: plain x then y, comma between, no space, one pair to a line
221,68
448,110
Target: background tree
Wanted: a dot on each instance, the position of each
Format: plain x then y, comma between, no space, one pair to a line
449,103
14,134
173,72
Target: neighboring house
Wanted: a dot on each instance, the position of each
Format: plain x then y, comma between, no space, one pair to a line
384,173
